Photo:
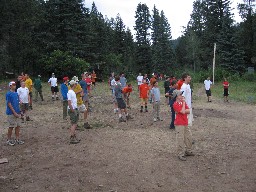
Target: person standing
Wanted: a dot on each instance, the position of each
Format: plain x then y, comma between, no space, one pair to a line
54,87
94,77
123,80
139,80
64,92
13,115
24,99
85,98
113,84
166,87
225,86
38,88
171,101
186,78
183,133
73,112
123,114
155,91
29,85
144,94
207,85
88,80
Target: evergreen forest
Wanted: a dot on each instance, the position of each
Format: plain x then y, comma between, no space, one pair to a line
67,38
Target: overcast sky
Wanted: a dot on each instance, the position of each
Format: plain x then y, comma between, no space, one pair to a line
176,11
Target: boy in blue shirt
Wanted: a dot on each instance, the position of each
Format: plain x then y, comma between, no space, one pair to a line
13,115
64,92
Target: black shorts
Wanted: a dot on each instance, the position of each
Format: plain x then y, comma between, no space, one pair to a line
208,92
93,83
55,89
225,92
120,103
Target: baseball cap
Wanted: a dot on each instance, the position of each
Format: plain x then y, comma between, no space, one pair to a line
65,78
72,82
176,93
75,78
12,83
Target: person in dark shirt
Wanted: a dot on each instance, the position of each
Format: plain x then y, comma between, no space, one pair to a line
169,95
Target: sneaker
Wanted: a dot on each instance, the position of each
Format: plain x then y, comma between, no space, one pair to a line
155,119
121,119
189,153
19,142
182,158
30,107
53,99
141,110
73,140
87,125
159,119
28,118
10,142
129,117
57,98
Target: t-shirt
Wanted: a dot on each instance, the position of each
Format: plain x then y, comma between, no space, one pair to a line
28,84
89,82
155,93
123,81
144,88
72,97
139,79
94,77
118,90
83,84
127,89
225,84
77,89
23,94
37,84
13,98
152,80
171,100
180,119
64,91
113,84
207,84
53,81
186,93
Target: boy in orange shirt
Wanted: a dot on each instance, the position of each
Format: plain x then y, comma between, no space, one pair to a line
183,133
126,93
144,93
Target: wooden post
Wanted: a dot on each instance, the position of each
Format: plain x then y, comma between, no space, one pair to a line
213,65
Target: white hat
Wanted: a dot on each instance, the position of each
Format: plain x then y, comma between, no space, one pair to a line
72,82
75,78
12,83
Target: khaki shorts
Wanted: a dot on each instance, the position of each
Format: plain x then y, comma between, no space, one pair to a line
144,100
13,121
24,106
81,108
74,116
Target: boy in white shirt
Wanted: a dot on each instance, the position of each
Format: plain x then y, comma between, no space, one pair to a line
73,112
207,85
54,87
24,99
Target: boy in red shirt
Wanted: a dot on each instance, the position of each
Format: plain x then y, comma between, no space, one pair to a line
183,133
126,93
225,86
144,93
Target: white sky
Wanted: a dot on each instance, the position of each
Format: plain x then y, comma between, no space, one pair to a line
176,11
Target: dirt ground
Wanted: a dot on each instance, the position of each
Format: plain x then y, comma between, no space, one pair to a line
138,155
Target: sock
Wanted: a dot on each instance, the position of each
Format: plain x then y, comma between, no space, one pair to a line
120,115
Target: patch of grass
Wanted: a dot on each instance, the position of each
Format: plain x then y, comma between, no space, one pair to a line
238,90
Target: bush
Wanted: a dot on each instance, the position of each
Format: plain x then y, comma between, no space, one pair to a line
249,77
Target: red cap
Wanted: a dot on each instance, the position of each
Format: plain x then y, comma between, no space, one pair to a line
65,78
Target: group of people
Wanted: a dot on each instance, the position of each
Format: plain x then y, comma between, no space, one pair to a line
76,93
75,96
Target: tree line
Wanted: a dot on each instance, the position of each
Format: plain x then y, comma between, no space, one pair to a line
65,37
